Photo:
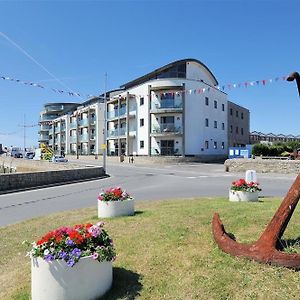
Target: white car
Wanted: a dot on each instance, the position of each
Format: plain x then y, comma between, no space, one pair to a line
58,158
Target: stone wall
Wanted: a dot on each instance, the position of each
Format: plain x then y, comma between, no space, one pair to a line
19,181
263,165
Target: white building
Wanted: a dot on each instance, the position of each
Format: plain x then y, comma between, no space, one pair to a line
80,130
174,110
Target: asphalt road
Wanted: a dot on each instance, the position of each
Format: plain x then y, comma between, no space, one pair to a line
143,182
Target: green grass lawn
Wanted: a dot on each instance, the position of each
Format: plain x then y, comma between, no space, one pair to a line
166,251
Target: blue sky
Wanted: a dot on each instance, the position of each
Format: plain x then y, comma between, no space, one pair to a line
78,41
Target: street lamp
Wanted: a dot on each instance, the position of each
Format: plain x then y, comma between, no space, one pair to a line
295,76
105,126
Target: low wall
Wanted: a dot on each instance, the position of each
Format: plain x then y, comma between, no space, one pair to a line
19,181
263,165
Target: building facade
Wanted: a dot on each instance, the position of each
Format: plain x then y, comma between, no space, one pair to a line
79,131
174,110
50,112
238,125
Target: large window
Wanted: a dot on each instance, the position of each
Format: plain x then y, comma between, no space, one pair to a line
177,71
167,96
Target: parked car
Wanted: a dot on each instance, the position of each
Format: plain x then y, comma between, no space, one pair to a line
29,155
58,158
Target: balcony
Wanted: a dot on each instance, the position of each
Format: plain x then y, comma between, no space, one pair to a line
83,137
114,133
122,111
166,128
44,127
73,125
166,151
57,129
169,105
48,117
73,139
84,122
92,121
112,114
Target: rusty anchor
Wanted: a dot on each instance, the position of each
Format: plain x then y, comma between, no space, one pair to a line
266,248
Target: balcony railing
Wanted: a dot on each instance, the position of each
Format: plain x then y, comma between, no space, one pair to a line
84,122
83,137
73,139
57,129
116,132
166,128
73,125
122,111
166,151
165,104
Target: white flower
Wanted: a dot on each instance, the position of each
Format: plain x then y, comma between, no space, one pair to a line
46,252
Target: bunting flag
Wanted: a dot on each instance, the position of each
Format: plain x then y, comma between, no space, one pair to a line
43,87
229,86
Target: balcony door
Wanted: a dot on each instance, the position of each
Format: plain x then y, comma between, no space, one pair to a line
167,147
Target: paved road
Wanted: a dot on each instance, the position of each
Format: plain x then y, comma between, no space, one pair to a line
144,182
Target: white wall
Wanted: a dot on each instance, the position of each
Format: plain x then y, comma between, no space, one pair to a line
197,72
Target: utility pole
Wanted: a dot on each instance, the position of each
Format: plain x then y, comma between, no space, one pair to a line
105,125
24,134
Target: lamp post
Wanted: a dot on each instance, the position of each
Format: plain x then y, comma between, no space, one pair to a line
295,76
105,125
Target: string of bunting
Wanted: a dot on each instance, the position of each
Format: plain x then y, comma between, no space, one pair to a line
229,86
38,85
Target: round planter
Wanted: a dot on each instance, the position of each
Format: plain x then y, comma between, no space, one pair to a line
55,280
108,209
237,196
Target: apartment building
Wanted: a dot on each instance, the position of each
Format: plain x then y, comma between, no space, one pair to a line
50,112
174,110
78,131
238,125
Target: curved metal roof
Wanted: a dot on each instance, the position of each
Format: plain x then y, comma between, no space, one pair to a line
148,76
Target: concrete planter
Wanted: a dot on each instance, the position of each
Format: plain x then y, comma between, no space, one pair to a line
88,279
237,196
108,209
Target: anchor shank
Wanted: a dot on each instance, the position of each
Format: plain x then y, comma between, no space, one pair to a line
281,218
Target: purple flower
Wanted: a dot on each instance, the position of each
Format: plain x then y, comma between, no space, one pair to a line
48,257
62,254
95,255
94,230
70,243
71,262
76,252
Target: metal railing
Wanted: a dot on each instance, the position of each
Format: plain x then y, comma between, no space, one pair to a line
166,128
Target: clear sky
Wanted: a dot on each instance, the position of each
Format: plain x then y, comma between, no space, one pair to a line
69,45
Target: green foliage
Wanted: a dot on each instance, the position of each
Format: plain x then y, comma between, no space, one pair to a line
277,149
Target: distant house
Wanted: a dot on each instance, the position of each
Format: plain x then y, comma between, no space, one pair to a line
258,137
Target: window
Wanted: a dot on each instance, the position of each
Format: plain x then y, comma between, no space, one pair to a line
231,112
223,107
242,115
236,130
215,104
215,145
142,101
142,144
206,101
223,145
206,145
141,122
237,113
242,131
223,126
231,129
206,122
215,124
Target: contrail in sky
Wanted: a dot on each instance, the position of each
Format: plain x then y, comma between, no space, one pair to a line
35,61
